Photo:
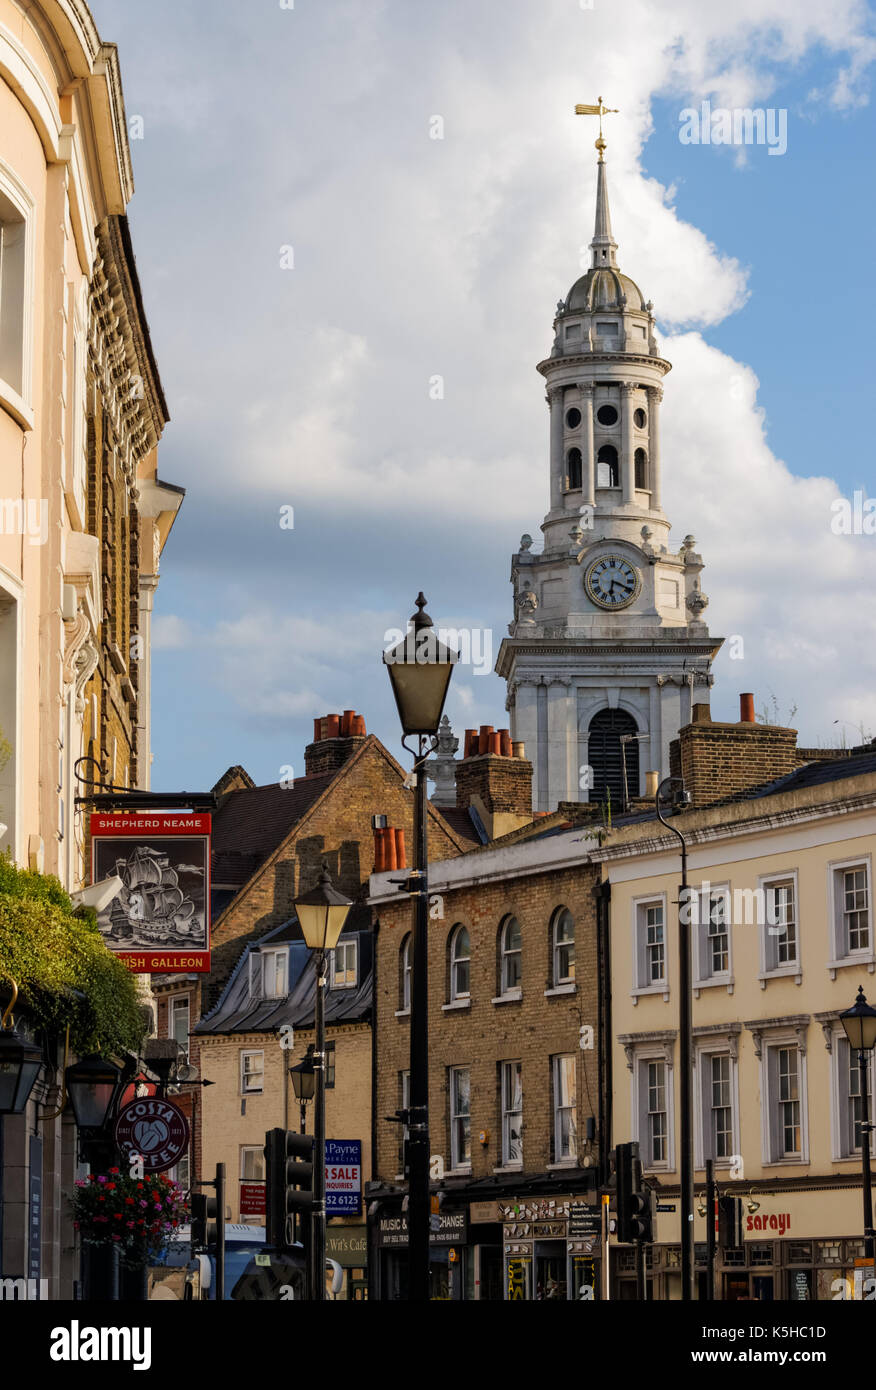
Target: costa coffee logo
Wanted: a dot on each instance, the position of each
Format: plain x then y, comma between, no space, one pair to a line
154,1128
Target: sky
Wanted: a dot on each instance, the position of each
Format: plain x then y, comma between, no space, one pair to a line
312,257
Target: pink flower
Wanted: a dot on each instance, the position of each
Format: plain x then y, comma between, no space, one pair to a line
101,1180
117,1237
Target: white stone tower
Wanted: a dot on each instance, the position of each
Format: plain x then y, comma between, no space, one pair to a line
608,651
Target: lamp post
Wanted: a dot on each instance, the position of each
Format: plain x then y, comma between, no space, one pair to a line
685,1044
859,1023
419,671
20,1063
92,1085
321,915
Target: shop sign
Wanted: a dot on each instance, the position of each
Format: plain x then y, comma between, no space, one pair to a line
481,1212
347,1245
252,1199
549,1230
393,1230
159,921
516,1281
343,1177
536,1209
155,1129
780,1222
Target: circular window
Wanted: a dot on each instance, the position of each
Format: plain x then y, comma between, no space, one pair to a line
606,415
573,418
639,419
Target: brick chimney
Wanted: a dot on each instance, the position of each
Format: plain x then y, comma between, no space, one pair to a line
720,762
496,779
335,739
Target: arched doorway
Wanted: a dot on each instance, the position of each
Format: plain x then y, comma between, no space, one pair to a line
608,757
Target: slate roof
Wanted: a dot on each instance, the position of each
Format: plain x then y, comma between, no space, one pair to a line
238,1012
252,822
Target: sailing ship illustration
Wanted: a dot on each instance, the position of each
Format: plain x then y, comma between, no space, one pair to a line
151,907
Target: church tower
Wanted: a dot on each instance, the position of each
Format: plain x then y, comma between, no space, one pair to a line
608,651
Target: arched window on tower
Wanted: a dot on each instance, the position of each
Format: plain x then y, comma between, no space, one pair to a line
613,763
641,460
573,469
606,467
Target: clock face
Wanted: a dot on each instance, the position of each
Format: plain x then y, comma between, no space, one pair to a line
612,582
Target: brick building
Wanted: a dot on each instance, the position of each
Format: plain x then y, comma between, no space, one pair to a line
269,844
518,1084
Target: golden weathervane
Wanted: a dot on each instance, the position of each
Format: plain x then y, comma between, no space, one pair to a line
600,111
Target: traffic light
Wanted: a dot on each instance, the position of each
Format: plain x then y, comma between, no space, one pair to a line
625,1156
730,1223
288,1185
203,1219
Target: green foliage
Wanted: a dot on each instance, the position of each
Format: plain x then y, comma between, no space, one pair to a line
64,972
141,1217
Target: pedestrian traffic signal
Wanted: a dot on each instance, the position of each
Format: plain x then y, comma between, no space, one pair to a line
730,1235
288,1184
203,1221
641,1220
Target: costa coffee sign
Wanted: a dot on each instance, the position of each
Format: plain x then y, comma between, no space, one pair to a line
155,1129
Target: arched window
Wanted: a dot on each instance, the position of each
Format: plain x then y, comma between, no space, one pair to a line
609,758
460,963
563,947
606,467
641,468
510,955
404,974
573,469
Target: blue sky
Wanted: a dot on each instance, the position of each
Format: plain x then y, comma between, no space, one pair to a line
267,127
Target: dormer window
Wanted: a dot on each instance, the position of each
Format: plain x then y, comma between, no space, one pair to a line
344,964
269,974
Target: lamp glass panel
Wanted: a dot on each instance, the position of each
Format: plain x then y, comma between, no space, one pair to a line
321,925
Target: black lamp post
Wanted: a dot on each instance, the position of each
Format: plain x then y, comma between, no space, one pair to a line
685,1044
419,671
859,1023
321,915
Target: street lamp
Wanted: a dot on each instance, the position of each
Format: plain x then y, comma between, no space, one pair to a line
92,1085
20,1063
321,915
419,671
685,1043
859,1023
304,1084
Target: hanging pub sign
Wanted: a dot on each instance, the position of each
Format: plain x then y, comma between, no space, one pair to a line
159,920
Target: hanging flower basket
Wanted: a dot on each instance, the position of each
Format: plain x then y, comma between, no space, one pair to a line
140,1216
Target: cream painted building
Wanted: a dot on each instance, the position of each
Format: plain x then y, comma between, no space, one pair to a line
784,937
83,514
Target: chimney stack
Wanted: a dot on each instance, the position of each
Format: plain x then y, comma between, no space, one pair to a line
496,778
725,762
335,739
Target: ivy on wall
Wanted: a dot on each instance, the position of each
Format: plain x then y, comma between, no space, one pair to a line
64,972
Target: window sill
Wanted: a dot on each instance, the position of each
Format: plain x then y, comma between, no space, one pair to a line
509,1168
403,1013
715,982
786,1162
15,406
564,1163
650,989
512,996
458,1172
783,972
569,988
456,1004
866,958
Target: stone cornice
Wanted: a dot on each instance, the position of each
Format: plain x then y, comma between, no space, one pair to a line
583,358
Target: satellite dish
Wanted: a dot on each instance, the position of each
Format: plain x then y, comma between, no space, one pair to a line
186,1072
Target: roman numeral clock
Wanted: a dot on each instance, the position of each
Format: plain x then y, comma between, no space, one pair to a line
612,582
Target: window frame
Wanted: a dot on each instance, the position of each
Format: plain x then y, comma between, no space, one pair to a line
258,1150
773,1156
642,1057
558,1109
507,1114
272,953
841,1051
558,980
20,403
172,1008
251,1090
706,977
722,1045
770,968
841,953
345,945
639,955
458,996
459,1163
507,990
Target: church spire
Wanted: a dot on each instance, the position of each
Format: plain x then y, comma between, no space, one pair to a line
603,245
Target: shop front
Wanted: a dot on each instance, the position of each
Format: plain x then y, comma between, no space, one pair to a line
551,1248
347,1245
447,1255
800,1245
